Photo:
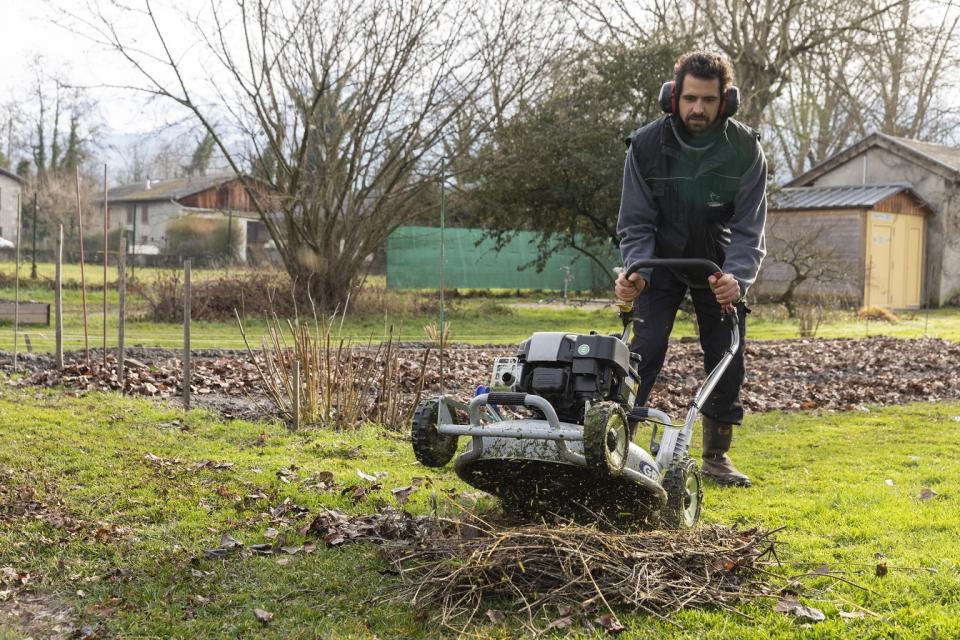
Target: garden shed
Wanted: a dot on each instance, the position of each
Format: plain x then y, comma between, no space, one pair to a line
932,172
862,243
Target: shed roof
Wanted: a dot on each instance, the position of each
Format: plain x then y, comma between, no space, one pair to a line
167,189
937,158
949,156
11,175
845,197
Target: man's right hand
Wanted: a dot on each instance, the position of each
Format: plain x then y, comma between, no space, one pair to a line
627,290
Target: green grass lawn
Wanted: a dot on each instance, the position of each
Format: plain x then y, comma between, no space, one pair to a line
844,486
495,319
472,321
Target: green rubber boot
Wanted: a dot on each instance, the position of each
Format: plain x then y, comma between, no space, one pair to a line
717,466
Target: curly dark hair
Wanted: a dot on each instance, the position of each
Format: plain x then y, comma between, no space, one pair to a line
705,65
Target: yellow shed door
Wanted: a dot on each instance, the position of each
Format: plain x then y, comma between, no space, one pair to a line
894,260
879,254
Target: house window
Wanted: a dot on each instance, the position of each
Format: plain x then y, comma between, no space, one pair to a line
131,213
144,214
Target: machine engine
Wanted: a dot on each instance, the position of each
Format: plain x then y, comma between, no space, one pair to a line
571,370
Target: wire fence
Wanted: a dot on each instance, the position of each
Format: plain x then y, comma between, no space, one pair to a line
41,339
505,323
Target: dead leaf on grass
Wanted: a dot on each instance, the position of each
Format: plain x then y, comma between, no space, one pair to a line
10,577
803,613
927,494
853,615
495,616
402,494
882,569
322,481
610,623
560,623
286,475
372,478
229,542
358,493
263,615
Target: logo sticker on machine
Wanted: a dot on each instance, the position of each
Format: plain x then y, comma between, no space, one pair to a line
583,349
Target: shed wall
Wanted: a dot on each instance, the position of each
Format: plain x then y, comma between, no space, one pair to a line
834,237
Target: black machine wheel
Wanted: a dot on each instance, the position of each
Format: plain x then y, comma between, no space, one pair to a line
606,437
684,487
429,446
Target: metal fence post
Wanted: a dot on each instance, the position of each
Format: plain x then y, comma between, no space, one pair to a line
58,300
122,287
186,334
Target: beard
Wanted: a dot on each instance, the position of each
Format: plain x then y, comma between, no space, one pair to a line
697,123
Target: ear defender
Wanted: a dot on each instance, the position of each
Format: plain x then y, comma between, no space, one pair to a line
668,102
728,104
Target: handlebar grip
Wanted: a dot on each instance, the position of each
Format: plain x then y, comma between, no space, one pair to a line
681,263
506,398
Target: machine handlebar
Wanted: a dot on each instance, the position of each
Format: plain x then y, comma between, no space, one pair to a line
709,266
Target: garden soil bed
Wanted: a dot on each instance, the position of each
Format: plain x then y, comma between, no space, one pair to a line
784,375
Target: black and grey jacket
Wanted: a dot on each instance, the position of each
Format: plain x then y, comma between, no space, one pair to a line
680,202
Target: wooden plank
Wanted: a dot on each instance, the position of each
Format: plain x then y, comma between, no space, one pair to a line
30,312
902,203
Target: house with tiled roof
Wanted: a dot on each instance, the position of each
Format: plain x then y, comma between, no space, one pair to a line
146,208
905,233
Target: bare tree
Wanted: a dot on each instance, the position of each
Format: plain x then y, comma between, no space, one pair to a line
813,118
764,40
334,112
891,77
907,61
519,46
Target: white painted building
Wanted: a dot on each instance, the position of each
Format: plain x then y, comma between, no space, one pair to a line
11,187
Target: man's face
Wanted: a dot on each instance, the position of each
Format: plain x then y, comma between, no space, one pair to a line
699,103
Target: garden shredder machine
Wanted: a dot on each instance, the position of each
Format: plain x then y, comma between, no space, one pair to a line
573,455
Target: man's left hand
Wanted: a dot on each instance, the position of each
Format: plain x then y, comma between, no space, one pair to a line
725,288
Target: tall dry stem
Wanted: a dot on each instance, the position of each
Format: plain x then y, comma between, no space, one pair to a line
341,385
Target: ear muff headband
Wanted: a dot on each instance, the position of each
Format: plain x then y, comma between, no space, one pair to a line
728,104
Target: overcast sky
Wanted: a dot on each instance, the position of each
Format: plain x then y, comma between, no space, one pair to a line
28,30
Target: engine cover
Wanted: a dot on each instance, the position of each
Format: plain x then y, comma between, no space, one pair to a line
571,370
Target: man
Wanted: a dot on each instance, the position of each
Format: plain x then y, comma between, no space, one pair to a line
694,187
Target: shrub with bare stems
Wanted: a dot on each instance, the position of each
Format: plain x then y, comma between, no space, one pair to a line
314,377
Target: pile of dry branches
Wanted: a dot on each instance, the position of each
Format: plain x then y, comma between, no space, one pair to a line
577,572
